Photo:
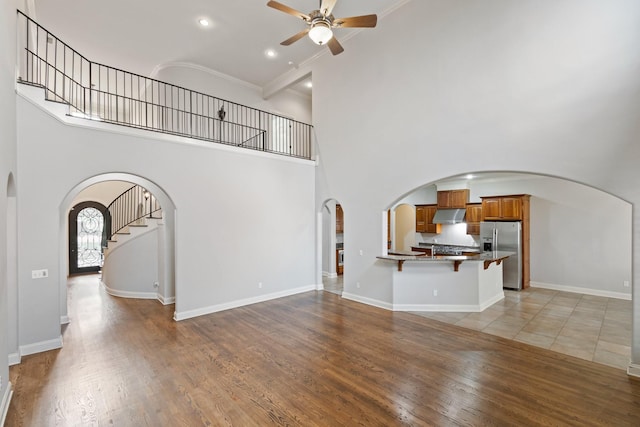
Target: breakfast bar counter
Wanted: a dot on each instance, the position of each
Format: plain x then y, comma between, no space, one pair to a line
468,283
486,257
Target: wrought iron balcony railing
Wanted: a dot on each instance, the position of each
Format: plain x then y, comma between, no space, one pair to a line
99,92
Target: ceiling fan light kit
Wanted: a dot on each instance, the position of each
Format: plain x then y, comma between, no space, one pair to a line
320,33
321,23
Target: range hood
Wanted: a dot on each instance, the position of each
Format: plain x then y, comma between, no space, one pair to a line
449,216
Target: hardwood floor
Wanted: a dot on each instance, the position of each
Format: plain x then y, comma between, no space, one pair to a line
310,359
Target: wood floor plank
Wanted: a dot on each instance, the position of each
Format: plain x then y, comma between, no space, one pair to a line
312,359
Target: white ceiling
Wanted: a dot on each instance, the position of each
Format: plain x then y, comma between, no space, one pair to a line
140,35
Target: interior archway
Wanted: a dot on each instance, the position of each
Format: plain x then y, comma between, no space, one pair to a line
332,245
169,211
581,241
403,237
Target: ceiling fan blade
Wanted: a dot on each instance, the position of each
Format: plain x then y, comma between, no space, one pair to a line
327,7
364,21
286,9
334,46
295,38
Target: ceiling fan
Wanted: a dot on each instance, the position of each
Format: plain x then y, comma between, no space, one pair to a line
321,23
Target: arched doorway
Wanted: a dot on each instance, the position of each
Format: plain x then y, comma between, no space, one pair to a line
12,271
167,287
572,224
332,246
89,225
404,227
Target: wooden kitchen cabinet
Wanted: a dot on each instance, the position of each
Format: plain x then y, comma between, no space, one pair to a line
339,219
473,218
512,208
453,199
505,208
424,219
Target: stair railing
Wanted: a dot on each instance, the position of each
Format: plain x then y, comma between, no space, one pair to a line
99,92
133,206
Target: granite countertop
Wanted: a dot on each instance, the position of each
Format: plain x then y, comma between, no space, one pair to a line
407,253
484,256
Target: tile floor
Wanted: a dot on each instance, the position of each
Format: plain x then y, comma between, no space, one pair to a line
589,327
333,285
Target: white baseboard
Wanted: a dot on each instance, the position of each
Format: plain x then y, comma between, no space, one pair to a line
128,294
633,370
579,290
329,275
64,320
239,303
40,347
368,301
4,403
14,359
166,300
466,308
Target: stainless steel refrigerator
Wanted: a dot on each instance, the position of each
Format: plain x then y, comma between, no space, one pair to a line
505,236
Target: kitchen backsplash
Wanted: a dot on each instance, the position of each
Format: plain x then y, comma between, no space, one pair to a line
451,234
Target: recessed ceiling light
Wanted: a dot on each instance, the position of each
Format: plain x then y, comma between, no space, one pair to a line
470,176
271,53
204,22
309,84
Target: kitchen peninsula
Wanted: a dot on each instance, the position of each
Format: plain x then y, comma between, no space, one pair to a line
468,283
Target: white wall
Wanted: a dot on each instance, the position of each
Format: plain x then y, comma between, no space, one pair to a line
132,267
7,167
287,103
251,222
102,192
460,86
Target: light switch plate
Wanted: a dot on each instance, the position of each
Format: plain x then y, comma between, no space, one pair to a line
39,274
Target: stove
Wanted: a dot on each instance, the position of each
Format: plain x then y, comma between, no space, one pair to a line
447,250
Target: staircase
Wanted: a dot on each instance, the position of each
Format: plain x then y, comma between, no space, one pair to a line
132,266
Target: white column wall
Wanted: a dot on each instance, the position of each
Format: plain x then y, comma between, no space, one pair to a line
7,167
442,88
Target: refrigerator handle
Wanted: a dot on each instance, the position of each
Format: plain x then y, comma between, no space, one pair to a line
495,239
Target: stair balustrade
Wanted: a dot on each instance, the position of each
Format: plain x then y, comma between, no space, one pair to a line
132,207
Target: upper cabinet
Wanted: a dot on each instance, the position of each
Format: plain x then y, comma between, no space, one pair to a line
339,219
505,208
473,218
453,199
424,219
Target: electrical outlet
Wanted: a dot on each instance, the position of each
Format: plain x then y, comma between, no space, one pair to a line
361,252
435,292
259,285
625,283
39,274
358,285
